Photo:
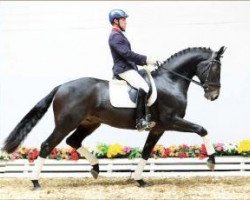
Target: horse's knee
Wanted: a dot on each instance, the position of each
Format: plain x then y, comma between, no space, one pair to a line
202,132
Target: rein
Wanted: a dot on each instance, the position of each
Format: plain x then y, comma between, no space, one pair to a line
205,85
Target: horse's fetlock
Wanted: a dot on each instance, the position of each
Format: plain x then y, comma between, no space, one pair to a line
96,167
45,150
211,158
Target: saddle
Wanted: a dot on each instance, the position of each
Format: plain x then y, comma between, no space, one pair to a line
123,95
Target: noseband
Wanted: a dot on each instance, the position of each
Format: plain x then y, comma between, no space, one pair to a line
206,84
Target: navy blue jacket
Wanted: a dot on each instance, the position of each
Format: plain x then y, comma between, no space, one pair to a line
124,59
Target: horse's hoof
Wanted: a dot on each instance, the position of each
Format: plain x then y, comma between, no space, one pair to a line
211,165
36,185
94,173
142,183
37,188
211,162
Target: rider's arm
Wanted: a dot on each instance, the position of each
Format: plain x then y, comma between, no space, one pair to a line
120,45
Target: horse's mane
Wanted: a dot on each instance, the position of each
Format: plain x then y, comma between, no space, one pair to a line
187,50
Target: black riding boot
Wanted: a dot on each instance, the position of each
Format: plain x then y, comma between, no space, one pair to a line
142,117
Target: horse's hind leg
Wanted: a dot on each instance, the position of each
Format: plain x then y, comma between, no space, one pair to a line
47,146
153,137
75,141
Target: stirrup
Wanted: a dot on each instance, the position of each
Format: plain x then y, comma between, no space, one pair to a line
151,125
143,125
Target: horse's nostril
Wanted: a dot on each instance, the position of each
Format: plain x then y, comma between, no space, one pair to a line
215,96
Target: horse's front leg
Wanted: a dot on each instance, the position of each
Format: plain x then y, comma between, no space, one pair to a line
153,137
179,124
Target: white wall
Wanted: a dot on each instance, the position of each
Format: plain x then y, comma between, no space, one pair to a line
43,44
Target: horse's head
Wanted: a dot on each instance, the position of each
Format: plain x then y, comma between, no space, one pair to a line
208,72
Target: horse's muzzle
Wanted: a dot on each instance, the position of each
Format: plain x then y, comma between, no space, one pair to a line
212,94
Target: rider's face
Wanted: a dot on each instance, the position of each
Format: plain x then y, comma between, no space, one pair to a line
122,22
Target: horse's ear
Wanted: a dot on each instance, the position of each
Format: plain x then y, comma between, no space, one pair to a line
220,52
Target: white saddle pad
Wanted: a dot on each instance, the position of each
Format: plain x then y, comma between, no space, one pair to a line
119,97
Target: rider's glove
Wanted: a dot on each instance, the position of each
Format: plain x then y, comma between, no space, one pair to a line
150,68
151,61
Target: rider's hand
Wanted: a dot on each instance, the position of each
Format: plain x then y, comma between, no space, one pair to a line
150,68
151,61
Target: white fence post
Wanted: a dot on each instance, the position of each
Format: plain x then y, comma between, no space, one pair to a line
2,167
152,167
242,165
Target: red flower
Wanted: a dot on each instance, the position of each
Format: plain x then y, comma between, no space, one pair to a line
31,157
166,152
182,155
33,154
203,150
74,155
201,156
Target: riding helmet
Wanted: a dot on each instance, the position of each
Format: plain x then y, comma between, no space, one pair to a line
116,14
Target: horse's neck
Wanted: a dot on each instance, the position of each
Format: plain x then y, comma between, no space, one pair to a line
184,64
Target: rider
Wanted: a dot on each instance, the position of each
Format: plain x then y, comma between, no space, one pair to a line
125,61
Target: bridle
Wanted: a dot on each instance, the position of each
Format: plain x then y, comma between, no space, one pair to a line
204,85
208,83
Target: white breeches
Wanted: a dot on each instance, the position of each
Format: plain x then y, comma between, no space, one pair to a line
135,79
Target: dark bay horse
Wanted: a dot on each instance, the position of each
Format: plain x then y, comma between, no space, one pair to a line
83,105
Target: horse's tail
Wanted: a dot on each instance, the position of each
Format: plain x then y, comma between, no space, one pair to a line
22,129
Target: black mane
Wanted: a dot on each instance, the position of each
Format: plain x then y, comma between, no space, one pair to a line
188,50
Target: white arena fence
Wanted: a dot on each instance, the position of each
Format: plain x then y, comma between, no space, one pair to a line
161,167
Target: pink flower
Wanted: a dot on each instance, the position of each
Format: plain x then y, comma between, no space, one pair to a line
126,150
54,153
219,147
184,146
14,156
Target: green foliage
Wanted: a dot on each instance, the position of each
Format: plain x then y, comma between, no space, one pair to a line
135,153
